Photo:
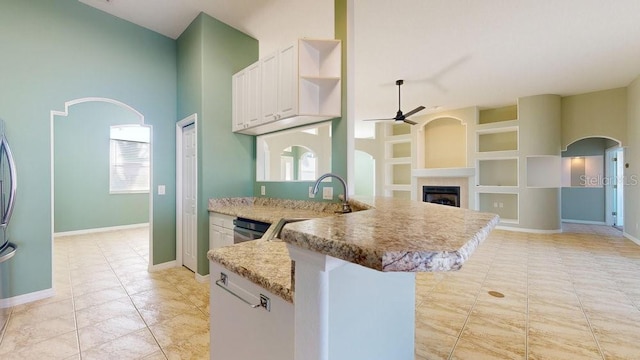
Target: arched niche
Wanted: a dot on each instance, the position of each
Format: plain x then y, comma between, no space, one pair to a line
444,143
94,116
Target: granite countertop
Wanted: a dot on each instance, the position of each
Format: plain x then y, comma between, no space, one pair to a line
265,263
396,235
384,234
272,210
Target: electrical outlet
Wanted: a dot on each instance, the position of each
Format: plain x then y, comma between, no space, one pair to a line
327,193
495,204
161,190
501,205
311,194
263,190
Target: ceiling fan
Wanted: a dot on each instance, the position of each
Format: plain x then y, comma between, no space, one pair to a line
399,115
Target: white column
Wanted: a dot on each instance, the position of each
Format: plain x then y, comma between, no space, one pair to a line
347,311
311,302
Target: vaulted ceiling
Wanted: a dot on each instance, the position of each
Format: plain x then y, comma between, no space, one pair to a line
455,53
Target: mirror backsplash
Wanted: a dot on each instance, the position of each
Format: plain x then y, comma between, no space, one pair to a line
299,154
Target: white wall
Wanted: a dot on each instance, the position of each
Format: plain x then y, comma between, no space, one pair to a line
281,22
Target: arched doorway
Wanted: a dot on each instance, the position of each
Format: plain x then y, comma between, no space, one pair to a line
592,182
102,167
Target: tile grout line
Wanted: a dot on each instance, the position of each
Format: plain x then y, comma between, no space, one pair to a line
593,334
134,304
73,305
475,301
526,321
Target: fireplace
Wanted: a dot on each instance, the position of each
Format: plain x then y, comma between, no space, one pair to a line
444,195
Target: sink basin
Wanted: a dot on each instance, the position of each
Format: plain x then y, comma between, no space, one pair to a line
273,233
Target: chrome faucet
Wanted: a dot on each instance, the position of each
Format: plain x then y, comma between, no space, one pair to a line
345,205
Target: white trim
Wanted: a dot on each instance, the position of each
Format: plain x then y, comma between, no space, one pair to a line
586,222
632,238
444,172
533,231
164,266
180,125
202,278
100,230
26,298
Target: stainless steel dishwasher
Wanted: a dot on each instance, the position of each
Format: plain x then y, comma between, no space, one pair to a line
247,229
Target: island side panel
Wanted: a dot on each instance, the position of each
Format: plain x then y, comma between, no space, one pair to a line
372,314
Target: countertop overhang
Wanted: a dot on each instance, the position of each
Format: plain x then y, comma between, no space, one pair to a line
391,235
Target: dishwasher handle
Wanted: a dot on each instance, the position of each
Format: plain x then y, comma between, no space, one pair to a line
265,302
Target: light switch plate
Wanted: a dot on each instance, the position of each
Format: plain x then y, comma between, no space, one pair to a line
327,193
263,190
161,190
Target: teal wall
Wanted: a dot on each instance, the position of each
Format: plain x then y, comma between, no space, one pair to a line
81,176
209,53
583,203
56,51
300,190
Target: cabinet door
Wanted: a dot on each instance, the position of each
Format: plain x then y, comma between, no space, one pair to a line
269,91
239,100
252,95
227,237
215,237
288,81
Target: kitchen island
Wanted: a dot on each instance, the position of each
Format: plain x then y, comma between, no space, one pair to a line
354,280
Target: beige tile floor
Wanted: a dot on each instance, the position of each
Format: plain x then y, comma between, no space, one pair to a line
574,295
107,306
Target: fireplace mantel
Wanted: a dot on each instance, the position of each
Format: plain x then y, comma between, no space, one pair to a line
444,172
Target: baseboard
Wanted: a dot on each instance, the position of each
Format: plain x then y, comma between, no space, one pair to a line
533,231
163,266
99,230
585,222
26,298
632,238
202,278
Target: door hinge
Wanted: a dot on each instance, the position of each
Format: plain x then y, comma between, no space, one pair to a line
614,213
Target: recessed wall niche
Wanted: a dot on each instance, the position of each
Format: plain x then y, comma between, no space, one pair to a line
445,144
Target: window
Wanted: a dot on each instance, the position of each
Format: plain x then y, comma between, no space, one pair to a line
129,159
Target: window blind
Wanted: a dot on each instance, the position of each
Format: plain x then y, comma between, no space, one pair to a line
129,166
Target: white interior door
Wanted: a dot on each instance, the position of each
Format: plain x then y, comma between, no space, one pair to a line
189,195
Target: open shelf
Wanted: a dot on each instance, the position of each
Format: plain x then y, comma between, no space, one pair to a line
505,113
503,204
319,96
319,58
498,172
505,139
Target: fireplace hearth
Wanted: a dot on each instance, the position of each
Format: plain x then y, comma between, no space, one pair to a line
444,195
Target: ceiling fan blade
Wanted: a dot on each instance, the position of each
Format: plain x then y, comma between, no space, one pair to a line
378,119
410,122
419,108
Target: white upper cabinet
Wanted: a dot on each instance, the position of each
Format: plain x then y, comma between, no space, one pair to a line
269,105
246,97
298,85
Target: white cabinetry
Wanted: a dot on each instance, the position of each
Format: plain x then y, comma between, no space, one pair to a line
241,332
220,230
299,84
246,97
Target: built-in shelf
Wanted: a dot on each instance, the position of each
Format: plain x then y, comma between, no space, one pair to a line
498,172
504,204
496,115
498,140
